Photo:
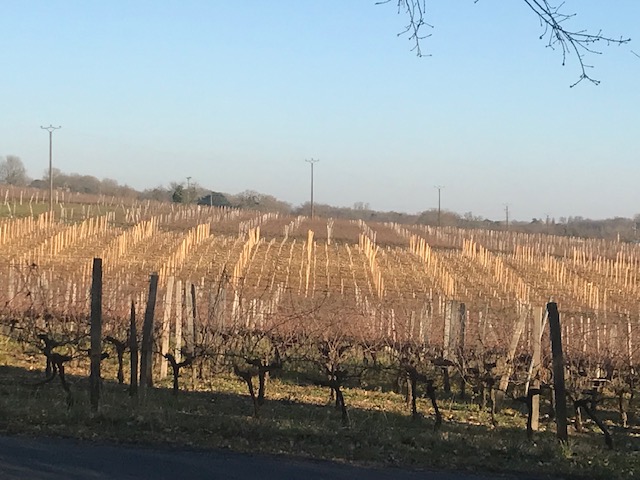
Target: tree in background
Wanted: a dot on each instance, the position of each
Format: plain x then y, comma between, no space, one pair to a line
250,199
214,199
12,171
159,194
178,194
74,182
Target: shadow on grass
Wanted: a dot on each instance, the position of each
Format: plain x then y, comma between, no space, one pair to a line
301,421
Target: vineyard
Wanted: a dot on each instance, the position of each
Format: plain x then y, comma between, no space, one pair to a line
253,293
400,281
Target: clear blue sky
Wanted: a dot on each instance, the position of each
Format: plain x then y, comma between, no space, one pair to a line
237,94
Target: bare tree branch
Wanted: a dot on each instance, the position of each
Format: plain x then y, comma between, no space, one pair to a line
577,43
572,43
416,13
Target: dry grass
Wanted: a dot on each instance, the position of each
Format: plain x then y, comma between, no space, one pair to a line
301,421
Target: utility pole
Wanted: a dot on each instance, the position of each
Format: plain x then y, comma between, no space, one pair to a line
439,187
312,162
548,223
506,213
188,190
50,129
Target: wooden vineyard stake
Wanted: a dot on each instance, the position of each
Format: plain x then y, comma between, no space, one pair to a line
462,316
146,356
558,372
96,334
448,339
194,322
629,344
133,348
533,383
513,346
190,311
177,353
192,314
330,224
310,246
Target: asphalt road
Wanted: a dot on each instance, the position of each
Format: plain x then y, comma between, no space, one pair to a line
63,459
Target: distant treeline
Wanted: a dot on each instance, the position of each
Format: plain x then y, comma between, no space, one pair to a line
12,172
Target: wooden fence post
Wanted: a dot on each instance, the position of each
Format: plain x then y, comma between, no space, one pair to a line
190,309
195,329
96,334
449,340
462,316
133,348
534,381
192,326
146,356
558,372
177,353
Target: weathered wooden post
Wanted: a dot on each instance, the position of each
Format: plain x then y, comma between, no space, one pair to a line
448,339
194,329
534,383
193,314
96,334
146,354
513,347
177,353
133,348
462,319
189,291
503,385
558,372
